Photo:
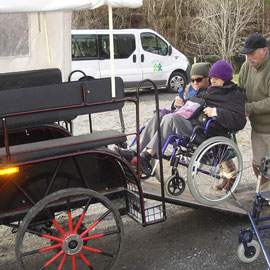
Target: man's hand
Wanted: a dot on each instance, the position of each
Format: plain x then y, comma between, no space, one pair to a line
246,113
178,102
208,111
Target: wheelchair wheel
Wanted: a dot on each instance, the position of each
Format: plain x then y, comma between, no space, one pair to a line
209,166
250,255
72,228
175,185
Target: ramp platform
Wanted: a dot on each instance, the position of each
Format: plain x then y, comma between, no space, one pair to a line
238,204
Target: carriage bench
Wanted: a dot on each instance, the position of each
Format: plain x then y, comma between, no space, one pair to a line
30,106
56,148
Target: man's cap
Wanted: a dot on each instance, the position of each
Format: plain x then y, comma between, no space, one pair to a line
253,42
201,69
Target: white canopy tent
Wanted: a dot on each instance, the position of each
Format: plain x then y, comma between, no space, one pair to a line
15,6
49,33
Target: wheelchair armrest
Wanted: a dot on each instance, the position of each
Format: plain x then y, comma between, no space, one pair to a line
208,123
201,129
195,133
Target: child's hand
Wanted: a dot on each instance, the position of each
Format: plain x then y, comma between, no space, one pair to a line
178,102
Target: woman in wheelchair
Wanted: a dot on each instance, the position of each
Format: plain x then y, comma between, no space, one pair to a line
222,100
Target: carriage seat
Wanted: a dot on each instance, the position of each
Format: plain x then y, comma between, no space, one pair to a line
30,78
55,148
41,105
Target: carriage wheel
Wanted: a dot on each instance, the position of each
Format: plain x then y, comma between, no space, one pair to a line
213,160
74,228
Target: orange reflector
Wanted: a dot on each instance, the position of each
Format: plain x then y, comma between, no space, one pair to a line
9,170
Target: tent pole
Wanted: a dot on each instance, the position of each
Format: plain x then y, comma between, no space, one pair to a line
111,51
47,40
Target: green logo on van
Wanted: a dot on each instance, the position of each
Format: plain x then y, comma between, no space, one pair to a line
157,67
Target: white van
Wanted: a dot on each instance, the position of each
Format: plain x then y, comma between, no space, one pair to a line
139,54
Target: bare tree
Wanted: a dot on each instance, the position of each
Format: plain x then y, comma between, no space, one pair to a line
196,27
220,25
98,18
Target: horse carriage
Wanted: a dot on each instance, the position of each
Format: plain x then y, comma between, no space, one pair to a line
64,194
42,162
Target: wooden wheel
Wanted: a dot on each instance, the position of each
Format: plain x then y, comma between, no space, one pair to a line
73,228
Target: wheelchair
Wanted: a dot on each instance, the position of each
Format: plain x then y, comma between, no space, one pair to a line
205,155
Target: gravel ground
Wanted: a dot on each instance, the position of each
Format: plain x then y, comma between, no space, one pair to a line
189,238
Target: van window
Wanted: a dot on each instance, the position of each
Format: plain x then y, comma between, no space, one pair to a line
83,46
154,44
124,46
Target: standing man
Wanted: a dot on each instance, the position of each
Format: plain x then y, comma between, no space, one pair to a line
254,79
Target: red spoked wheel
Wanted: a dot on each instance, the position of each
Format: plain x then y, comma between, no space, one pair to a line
73,229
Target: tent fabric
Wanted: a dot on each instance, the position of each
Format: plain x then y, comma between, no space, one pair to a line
48,31
15,6
49,43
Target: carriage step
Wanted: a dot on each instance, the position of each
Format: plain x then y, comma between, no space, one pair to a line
152,214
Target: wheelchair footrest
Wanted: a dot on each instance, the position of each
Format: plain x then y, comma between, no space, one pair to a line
265,195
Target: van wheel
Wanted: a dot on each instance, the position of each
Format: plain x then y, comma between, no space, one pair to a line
177,80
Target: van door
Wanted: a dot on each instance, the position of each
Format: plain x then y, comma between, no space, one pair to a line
85,55
155,61
127,63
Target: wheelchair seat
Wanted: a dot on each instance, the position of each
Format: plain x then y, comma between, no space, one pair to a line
209,129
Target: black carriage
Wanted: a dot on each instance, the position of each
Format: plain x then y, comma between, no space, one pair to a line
64,194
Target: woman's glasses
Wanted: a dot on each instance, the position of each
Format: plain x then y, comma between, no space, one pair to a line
199,79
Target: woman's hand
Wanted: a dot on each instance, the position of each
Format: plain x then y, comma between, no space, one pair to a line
178,102
208,111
